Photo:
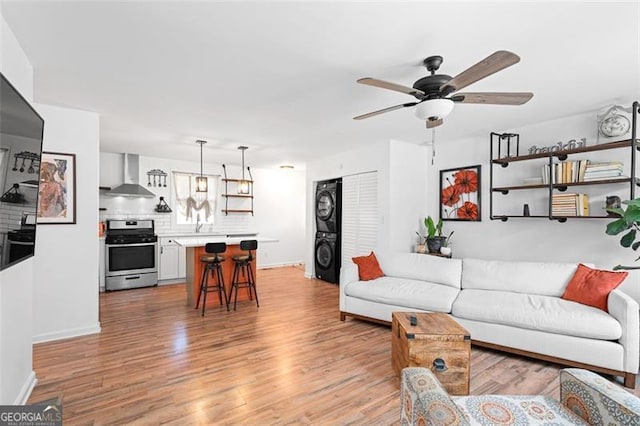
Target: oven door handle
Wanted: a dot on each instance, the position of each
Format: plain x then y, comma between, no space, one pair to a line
132,245
21,243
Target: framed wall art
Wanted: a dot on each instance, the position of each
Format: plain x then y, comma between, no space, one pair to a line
57,192
460,194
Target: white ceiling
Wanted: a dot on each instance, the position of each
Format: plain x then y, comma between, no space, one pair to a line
279,77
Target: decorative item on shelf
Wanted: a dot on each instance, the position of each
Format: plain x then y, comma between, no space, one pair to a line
243,185
13,195
420,245
160,175
612,203
201,181
34,164
614,124
525,210
446,246
559,146
512,145
460,194
162,206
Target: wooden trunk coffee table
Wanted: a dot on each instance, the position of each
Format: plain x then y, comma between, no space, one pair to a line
436,342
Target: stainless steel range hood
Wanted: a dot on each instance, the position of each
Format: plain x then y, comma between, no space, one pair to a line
131,186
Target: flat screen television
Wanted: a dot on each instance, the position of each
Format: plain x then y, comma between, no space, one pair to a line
21,130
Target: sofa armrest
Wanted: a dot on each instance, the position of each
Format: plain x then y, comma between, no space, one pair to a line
596,400
348,274
425,401
625,309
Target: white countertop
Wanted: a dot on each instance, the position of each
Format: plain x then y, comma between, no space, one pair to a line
200,241
191,234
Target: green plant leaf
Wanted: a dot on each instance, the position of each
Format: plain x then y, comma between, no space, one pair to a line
635,202
635,245
617,226
632,214
616,210
628,238
431,227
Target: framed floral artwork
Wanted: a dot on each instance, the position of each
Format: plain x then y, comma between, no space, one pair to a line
460,194
57,190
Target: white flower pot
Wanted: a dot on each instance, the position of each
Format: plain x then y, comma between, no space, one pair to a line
445,250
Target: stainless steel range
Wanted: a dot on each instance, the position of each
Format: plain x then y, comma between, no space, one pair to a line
131,254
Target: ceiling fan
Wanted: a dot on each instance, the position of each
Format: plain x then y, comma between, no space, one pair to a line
437,93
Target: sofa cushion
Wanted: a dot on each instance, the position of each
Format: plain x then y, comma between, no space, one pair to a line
421,267
404,292
543,278
543,313
515,410
592,286
368,267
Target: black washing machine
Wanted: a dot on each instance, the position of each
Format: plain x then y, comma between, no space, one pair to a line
328,205
327,255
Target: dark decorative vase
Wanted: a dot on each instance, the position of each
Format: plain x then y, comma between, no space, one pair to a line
434,244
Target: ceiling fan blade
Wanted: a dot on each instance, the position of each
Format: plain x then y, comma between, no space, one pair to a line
491,64
434,123
493,98
391,86
382,111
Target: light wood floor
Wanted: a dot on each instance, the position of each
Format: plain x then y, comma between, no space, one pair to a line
291,361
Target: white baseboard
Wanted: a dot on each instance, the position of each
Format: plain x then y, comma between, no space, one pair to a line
66,334
27,388
173,281
308,275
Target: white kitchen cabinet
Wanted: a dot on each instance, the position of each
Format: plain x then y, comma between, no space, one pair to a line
101,263
172,260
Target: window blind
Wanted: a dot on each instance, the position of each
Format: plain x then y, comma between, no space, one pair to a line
359,215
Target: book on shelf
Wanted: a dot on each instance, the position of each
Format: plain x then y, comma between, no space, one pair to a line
581,171
570,205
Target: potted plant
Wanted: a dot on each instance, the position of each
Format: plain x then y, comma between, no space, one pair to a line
446,246
434,239
628,220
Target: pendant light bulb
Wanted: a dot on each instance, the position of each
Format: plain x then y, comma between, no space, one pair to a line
243,185
201,181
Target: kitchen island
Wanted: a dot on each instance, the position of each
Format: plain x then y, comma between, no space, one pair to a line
195,248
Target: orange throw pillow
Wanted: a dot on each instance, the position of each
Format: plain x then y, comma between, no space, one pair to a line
368,267
592,286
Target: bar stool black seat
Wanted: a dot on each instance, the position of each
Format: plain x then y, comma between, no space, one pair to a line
243,266
212,264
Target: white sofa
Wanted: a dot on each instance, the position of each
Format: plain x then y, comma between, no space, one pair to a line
511,306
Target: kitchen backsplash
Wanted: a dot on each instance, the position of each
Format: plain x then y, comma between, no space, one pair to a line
163,222
11,216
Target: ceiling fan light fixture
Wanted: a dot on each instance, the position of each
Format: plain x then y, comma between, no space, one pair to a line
434,109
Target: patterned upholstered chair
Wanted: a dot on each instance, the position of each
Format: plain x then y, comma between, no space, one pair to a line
585,399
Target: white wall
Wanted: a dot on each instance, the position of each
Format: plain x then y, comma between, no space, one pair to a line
578,240
279,204
401,190
16,283
66,267
407,194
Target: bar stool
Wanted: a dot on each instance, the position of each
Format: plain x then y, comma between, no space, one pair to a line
243,265
212,263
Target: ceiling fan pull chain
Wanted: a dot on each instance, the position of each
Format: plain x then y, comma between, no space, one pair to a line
433,146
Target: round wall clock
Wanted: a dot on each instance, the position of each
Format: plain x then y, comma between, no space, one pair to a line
614,124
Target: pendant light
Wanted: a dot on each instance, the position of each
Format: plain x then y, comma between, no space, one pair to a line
201,181
243,185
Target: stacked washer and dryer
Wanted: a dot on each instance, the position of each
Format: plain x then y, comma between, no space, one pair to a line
328,217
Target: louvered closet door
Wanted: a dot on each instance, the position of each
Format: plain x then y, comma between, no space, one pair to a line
359,215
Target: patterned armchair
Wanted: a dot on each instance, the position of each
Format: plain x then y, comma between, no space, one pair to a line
585,399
